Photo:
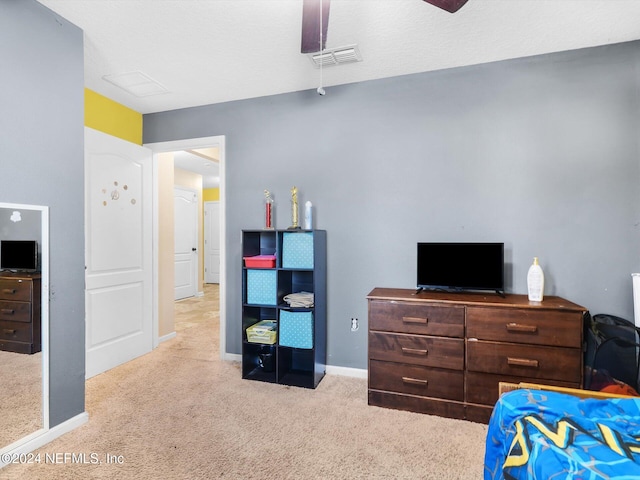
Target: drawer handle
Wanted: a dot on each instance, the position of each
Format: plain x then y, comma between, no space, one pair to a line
10,291
517,327
9,331
522,362
415,381
8,311
414,351
415,320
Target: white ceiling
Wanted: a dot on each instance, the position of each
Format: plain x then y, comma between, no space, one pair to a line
210,170
212,51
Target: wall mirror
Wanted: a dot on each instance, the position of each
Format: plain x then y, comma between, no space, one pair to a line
24,323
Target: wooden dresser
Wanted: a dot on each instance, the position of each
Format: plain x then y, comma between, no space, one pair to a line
20,312
445,353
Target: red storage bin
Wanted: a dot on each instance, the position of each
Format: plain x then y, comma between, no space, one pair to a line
260,261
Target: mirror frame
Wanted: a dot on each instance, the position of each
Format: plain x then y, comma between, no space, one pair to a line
44,318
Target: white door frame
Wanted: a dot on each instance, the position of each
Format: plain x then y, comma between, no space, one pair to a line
189,144
207,241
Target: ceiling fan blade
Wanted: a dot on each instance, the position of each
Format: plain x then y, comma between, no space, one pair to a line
451,6
312,13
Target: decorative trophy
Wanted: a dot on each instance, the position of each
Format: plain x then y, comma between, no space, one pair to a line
268,210
294,209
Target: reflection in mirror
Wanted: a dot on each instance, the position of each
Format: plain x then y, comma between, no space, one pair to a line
23,317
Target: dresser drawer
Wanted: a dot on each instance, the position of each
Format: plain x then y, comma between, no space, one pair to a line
416,380
530,326
391,316
15,331
15,311
482,388
531,361
417,350
15,289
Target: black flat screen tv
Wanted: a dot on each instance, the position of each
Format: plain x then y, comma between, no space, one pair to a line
461,266
19,255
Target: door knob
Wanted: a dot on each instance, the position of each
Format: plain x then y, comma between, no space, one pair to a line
193,249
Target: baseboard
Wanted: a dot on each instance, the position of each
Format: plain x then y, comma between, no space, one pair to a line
39,439
347,371
166,337
232,357
330,369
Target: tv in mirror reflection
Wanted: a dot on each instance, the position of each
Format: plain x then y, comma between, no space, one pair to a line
19,255
461,266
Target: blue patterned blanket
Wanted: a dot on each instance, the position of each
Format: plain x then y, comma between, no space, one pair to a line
536,434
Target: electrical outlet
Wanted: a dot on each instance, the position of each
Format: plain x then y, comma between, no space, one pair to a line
354,324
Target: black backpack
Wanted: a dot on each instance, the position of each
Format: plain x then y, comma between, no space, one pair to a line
612,345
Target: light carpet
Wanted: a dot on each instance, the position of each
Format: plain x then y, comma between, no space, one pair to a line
20,395
180,412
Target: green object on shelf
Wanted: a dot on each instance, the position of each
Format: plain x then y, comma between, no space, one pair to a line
264,332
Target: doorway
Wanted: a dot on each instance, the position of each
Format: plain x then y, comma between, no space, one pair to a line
160,148
212,242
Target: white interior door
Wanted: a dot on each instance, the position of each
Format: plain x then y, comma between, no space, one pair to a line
118,236
212,242
185,203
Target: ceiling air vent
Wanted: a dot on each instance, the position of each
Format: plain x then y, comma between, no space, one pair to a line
136,83
336,56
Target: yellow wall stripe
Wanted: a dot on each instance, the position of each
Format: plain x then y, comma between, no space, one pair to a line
113,118
210,194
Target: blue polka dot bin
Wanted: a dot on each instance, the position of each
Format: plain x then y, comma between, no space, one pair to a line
262,287
296,329
297,250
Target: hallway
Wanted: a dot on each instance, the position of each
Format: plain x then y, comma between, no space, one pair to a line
196,310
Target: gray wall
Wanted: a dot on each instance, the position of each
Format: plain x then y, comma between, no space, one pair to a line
41,163
24,226
540,153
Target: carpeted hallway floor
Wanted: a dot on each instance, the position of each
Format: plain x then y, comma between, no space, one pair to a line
180,412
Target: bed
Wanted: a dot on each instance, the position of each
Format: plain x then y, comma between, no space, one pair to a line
540,432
